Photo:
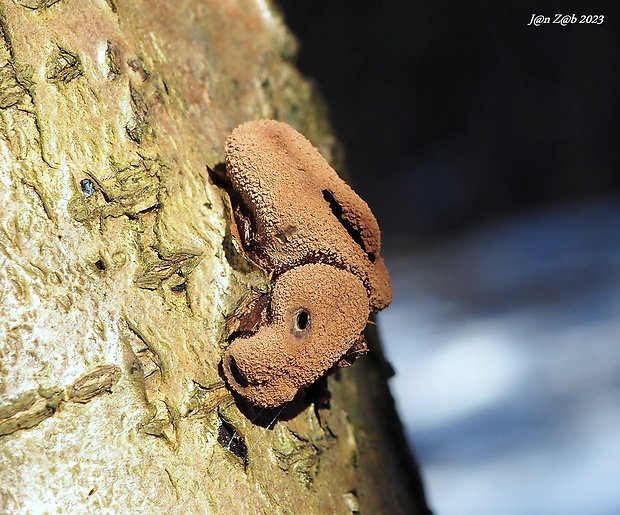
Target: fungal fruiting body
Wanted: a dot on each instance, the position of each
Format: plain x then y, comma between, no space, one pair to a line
317,311
321,243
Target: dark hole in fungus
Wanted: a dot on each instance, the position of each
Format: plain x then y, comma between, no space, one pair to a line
302,320
353,232
99,264
239,378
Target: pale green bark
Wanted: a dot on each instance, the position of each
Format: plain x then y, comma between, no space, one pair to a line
110,396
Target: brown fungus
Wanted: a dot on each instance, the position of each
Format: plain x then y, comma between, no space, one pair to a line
300,210
320,242
316,315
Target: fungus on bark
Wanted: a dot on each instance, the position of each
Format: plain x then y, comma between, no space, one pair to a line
316,315
322,245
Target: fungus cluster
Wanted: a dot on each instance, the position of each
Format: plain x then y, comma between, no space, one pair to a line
321,243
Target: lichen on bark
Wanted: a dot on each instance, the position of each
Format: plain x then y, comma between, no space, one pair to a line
116,276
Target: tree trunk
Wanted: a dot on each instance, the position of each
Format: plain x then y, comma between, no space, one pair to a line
118,273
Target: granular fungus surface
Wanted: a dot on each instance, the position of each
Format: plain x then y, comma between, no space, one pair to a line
321,243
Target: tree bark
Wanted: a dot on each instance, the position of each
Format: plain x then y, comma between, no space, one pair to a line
118,273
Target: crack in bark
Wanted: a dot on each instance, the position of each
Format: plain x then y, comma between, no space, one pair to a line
37,4
32,408
64,67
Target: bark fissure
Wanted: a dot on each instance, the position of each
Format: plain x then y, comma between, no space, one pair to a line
32,408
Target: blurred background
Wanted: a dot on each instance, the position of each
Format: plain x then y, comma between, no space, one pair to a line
488,150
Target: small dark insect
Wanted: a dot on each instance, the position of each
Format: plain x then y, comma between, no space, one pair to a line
228,438
179,287
88,188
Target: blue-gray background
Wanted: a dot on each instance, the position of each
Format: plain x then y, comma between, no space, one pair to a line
488,150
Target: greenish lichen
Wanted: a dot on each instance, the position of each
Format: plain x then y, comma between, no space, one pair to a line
63,66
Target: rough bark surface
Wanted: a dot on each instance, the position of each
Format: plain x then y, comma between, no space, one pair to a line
118,271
